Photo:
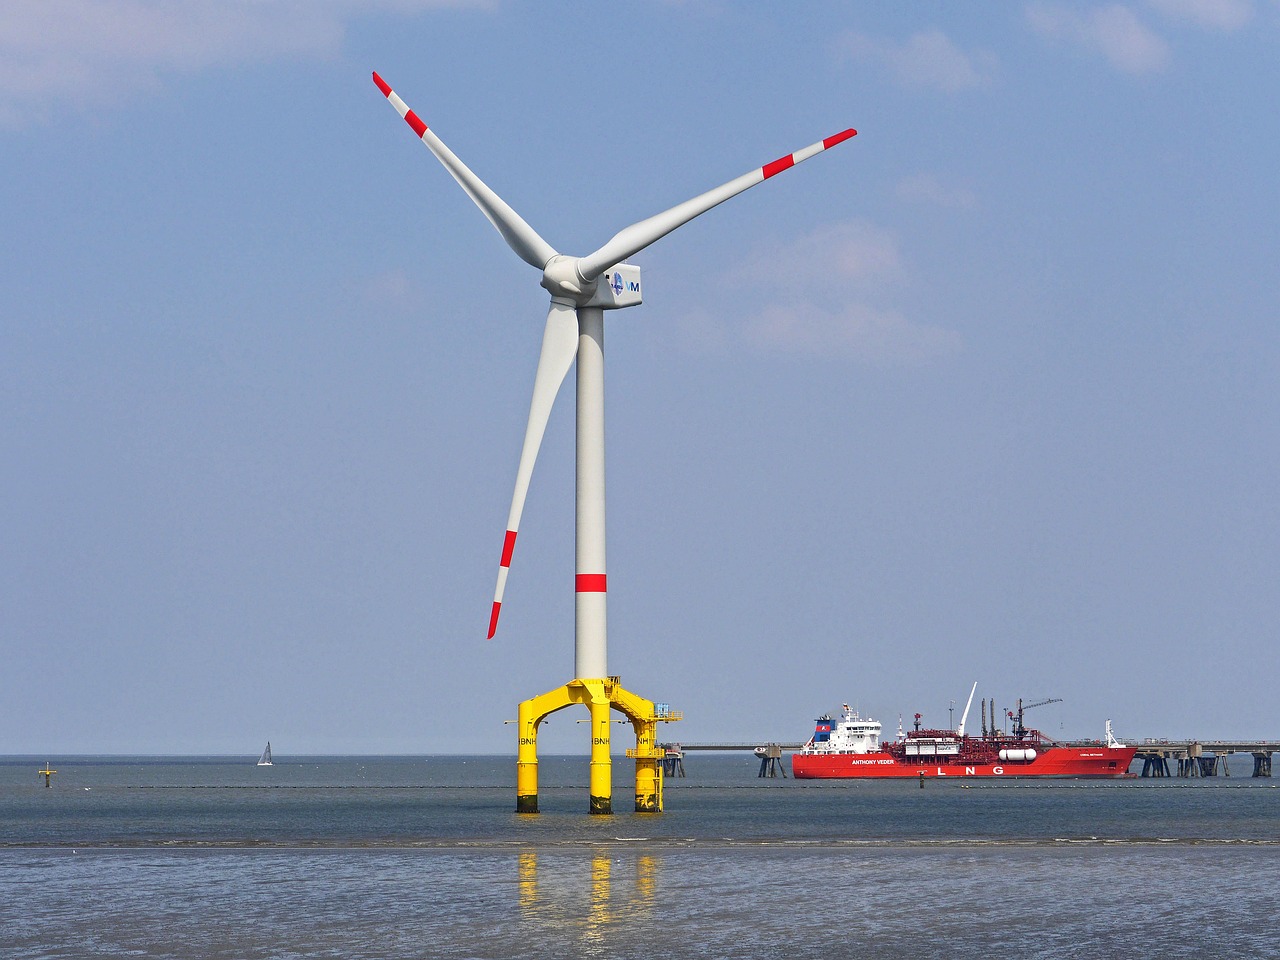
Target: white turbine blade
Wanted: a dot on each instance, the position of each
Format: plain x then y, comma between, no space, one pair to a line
636,237
559,345
521,237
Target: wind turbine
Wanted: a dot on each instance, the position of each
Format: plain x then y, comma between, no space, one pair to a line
581,289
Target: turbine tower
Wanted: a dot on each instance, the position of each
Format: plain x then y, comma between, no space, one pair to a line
581,289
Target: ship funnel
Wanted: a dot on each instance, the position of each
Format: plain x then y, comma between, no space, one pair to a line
965,716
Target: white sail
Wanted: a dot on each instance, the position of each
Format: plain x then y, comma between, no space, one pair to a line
265,760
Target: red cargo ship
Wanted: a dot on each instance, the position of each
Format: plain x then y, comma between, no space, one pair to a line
849,747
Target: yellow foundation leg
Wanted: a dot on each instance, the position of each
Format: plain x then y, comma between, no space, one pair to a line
601,778
648,768
527,758
644,716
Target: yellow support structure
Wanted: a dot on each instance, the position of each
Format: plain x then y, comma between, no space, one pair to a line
601,779
644,718
600,696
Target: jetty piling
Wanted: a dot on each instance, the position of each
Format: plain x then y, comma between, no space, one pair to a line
672,760
771,764
1196,758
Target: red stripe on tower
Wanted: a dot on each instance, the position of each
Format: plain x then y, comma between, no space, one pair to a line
838,138
508,545
591,583
493,619
382,84
412,120
782,163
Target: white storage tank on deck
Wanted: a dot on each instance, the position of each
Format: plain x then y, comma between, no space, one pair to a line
1018,755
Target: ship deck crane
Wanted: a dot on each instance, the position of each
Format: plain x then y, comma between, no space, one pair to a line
1019,730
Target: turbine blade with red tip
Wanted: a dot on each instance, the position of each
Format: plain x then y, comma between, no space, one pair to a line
559,345
521,237
636,237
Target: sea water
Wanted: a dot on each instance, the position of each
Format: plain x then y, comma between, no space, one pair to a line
417,857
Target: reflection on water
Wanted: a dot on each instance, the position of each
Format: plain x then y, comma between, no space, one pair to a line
599,917
646,883
527,880
619,892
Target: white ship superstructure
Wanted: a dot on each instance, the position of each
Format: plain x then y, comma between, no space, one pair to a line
851,733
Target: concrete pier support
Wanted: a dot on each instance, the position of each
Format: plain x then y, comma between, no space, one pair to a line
673,761
771,764
1199,766
1154,765
1262,764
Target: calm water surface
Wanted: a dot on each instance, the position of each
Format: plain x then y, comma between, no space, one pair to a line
423,857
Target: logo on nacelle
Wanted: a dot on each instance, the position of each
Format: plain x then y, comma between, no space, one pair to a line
617,287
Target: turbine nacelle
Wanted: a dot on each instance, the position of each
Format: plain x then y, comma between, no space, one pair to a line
617,287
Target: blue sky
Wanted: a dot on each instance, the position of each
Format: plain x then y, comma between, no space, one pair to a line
987,393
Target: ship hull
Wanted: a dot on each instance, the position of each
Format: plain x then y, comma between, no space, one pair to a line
1099,762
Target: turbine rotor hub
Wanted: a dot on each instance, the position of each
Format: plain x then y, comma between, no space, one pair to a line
561,278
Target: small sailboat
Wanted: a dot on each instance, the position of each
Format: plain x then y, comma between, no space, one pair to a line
265,759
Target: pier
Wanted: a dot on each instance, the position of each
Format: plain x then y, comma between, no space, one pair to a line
1201,758
725,747
770,754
